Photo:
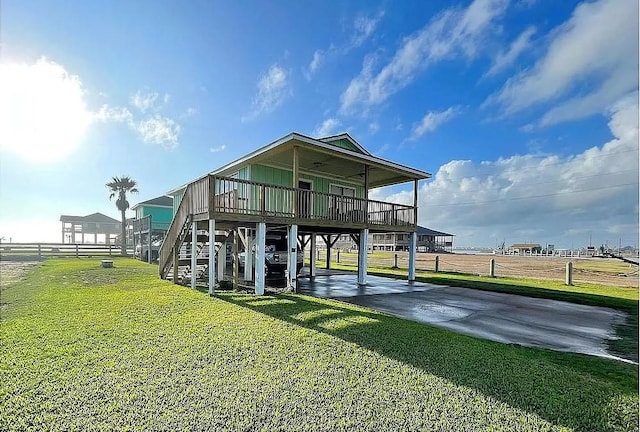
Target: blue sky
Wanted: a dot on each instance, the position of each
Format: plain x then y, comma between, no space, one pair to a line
526,112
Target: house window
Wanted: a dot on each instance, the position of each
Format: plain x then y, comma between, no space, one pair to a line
343,204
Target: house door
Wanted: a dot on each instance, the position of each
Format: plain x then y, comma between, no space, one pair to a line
304,199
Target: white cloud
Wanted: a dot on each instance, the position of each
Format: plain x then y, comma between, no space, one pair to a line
143,101
149,101
190,112
374,127
432,120
596,50
506,58
316,61
217,149
326,128
114,114
455,32
364,26
43,114
273,88
159,130
553,195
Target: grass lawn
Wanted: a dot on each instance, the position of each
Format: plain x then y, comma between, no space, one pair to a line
87,348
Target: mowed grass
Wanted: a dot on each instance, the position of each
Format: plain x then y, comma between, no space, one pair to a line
87,348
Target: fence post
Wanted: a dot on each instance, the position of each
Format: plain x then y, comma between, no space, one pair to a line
437,263
77,253
492,268
568,279
39,251
338,255
395,261
109,249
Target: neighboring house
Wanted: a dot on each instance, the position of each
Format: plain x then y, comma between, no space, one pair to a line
299,186
524,249
151,222
97,226
428,241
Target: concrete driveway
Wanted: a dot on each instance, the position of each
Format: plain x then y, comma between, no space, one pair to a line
499,317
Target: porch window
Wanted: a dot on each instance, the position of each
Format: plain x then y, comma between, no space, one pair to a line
344,206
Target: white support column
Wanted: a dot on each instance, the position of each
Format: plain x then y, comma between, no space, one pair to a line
150,254
248,256
413,237
222,260
234,259
362,257
194,252
312,256
212,256
292,262
261,233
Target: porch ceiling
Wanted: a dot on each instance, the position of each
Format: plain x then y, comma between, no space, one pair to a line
327,160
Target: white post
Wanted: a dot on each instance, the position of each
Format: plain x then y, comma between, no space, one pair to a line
362,257
413,237
292,262
148,245
261,233
194,251
248,257
222,259
212,256
312,256
568,279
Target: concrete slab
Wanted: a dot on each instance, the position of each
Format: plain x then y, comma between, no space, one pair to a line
506,318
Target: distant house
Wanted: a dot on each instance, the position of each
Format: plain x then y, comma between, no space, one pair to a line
428,241
152,220
524,248
102,228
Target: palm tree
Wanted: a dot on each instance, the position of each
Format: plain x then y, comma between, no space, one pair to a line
119,187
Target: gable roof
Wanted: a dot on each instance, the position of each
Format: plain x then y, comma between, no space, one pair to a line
161,201
428,231
93,218
345,137
386,172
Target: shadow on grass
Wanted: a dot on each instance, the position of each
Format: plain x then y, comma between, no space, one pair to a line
568,389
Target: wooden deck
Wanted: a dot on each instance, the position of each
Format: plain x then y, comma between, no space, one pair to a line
233,202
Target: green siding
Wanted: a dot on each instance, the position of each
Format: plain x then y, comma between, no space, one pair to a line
243,173
158,214
270,175
177,197
282,177
345,144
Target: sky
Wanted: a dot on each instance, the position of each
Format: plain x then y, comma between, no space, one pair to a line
524,111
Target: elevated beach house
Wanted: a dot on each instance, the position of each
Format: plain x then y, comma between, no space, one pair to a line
151,223
299,186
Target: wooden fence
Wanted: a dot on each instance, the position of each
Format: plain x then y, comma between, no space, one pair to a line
44,250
